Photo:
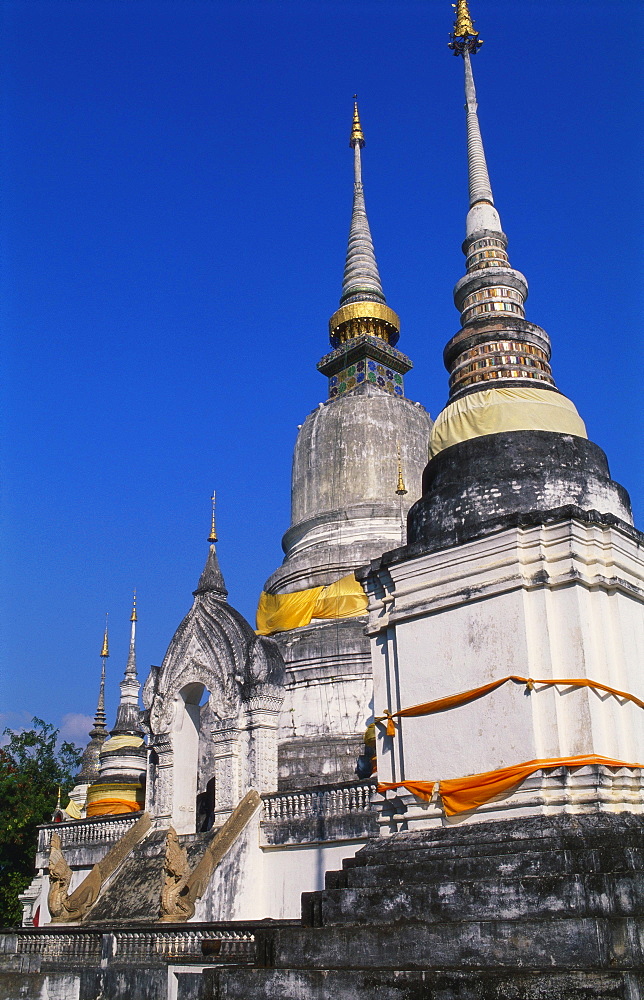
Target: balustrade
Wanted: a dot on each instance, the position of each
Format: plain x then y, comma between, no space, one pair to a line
338,801
86,833
191,943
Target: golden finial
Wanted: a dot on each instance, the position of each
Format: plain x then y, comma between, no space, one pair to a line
464,36
105,652
400,489
357,135
212,537
133,617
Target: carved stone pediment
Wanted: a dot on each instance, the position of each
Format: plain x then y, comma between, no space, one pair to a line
216,647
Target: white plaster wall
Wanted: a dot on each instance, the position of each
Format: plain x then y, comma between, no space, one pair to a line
291,871
559,601
253,882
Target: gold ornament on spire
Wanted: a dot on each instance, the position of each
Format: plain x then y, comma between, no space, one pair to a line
400,488
133,617
357,135
212,537
464,37
464,25
105,652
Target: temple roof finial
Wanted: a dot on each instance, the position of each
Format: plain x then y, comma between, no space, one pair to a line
357,135
133,617
401,490
105,651
211,580
464,38
212,537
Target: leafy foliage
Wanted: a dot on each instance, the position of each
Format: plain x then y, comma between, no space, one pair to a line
32,768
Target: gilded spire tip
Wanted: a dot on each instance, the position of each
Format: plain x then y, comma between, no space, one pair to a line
401,489
357,135
464,38
212,537
133,617
105,651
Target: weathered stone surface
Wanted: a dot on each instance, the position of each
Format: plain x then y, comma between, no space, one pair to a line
434,984
548,907
315,761
488,478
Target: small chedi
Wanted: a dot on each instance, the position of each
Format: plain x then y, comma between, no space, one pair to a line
469,591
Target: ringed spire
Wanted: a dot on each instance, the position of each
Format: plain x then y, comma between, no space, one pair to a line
364,330
498,362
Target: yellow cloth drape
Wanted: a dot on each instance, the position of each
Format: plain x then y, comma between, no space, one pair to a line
118,742
465,794
278,612
492,411
72,809
452,701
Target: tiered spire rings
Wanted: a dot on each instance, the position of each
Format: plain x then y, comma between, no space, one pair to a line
364,330
496,345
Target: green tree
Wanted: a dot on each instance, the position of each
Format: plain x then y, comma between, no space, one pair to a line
33,766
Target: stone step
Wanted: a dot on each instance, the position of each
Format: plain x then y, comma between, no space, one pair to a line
508,837
594,895
134,895
586,943
435,984
441,868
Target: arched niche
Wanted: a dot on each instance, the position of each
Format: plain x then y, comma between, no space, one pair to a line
186,735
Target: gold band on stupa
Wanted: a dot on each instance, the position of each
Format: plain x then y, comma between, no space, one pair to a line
356,318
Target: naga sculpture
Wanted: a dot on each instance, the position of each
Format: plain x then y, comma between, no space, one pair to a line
66,908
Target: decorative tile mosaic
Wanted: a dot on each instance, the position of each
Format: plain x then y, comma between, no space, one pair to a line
366,371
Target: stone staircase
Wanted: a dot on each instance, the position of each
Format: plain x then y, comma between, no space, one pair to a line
134,894
545,908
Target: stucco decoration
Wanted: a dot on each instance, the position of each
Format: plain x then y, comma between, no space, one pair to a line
183,886
216,647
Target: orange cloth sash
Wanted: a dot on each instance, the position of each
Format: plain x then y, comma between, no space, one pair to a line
452,701
422,789
465,794
112,807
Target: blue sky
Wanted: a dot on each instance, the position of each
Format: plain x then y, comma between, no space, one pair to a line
177,190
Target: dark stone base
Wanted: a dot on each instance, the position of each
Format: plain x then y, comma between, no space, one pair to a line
546,907
473,487
302,984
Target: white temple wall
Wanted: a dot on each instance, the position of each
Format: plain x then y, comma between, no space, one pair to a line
562,600
254,882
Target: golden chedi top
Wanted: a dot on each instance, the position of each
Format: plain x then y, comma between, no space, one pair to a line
105,651
212,537
357,135
133,617
464,38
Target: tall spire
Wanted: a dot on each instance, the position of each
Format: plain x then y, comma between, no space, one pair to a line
496,344
364,330
127,715
99,717
211,580
131,659
361,277
98,733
